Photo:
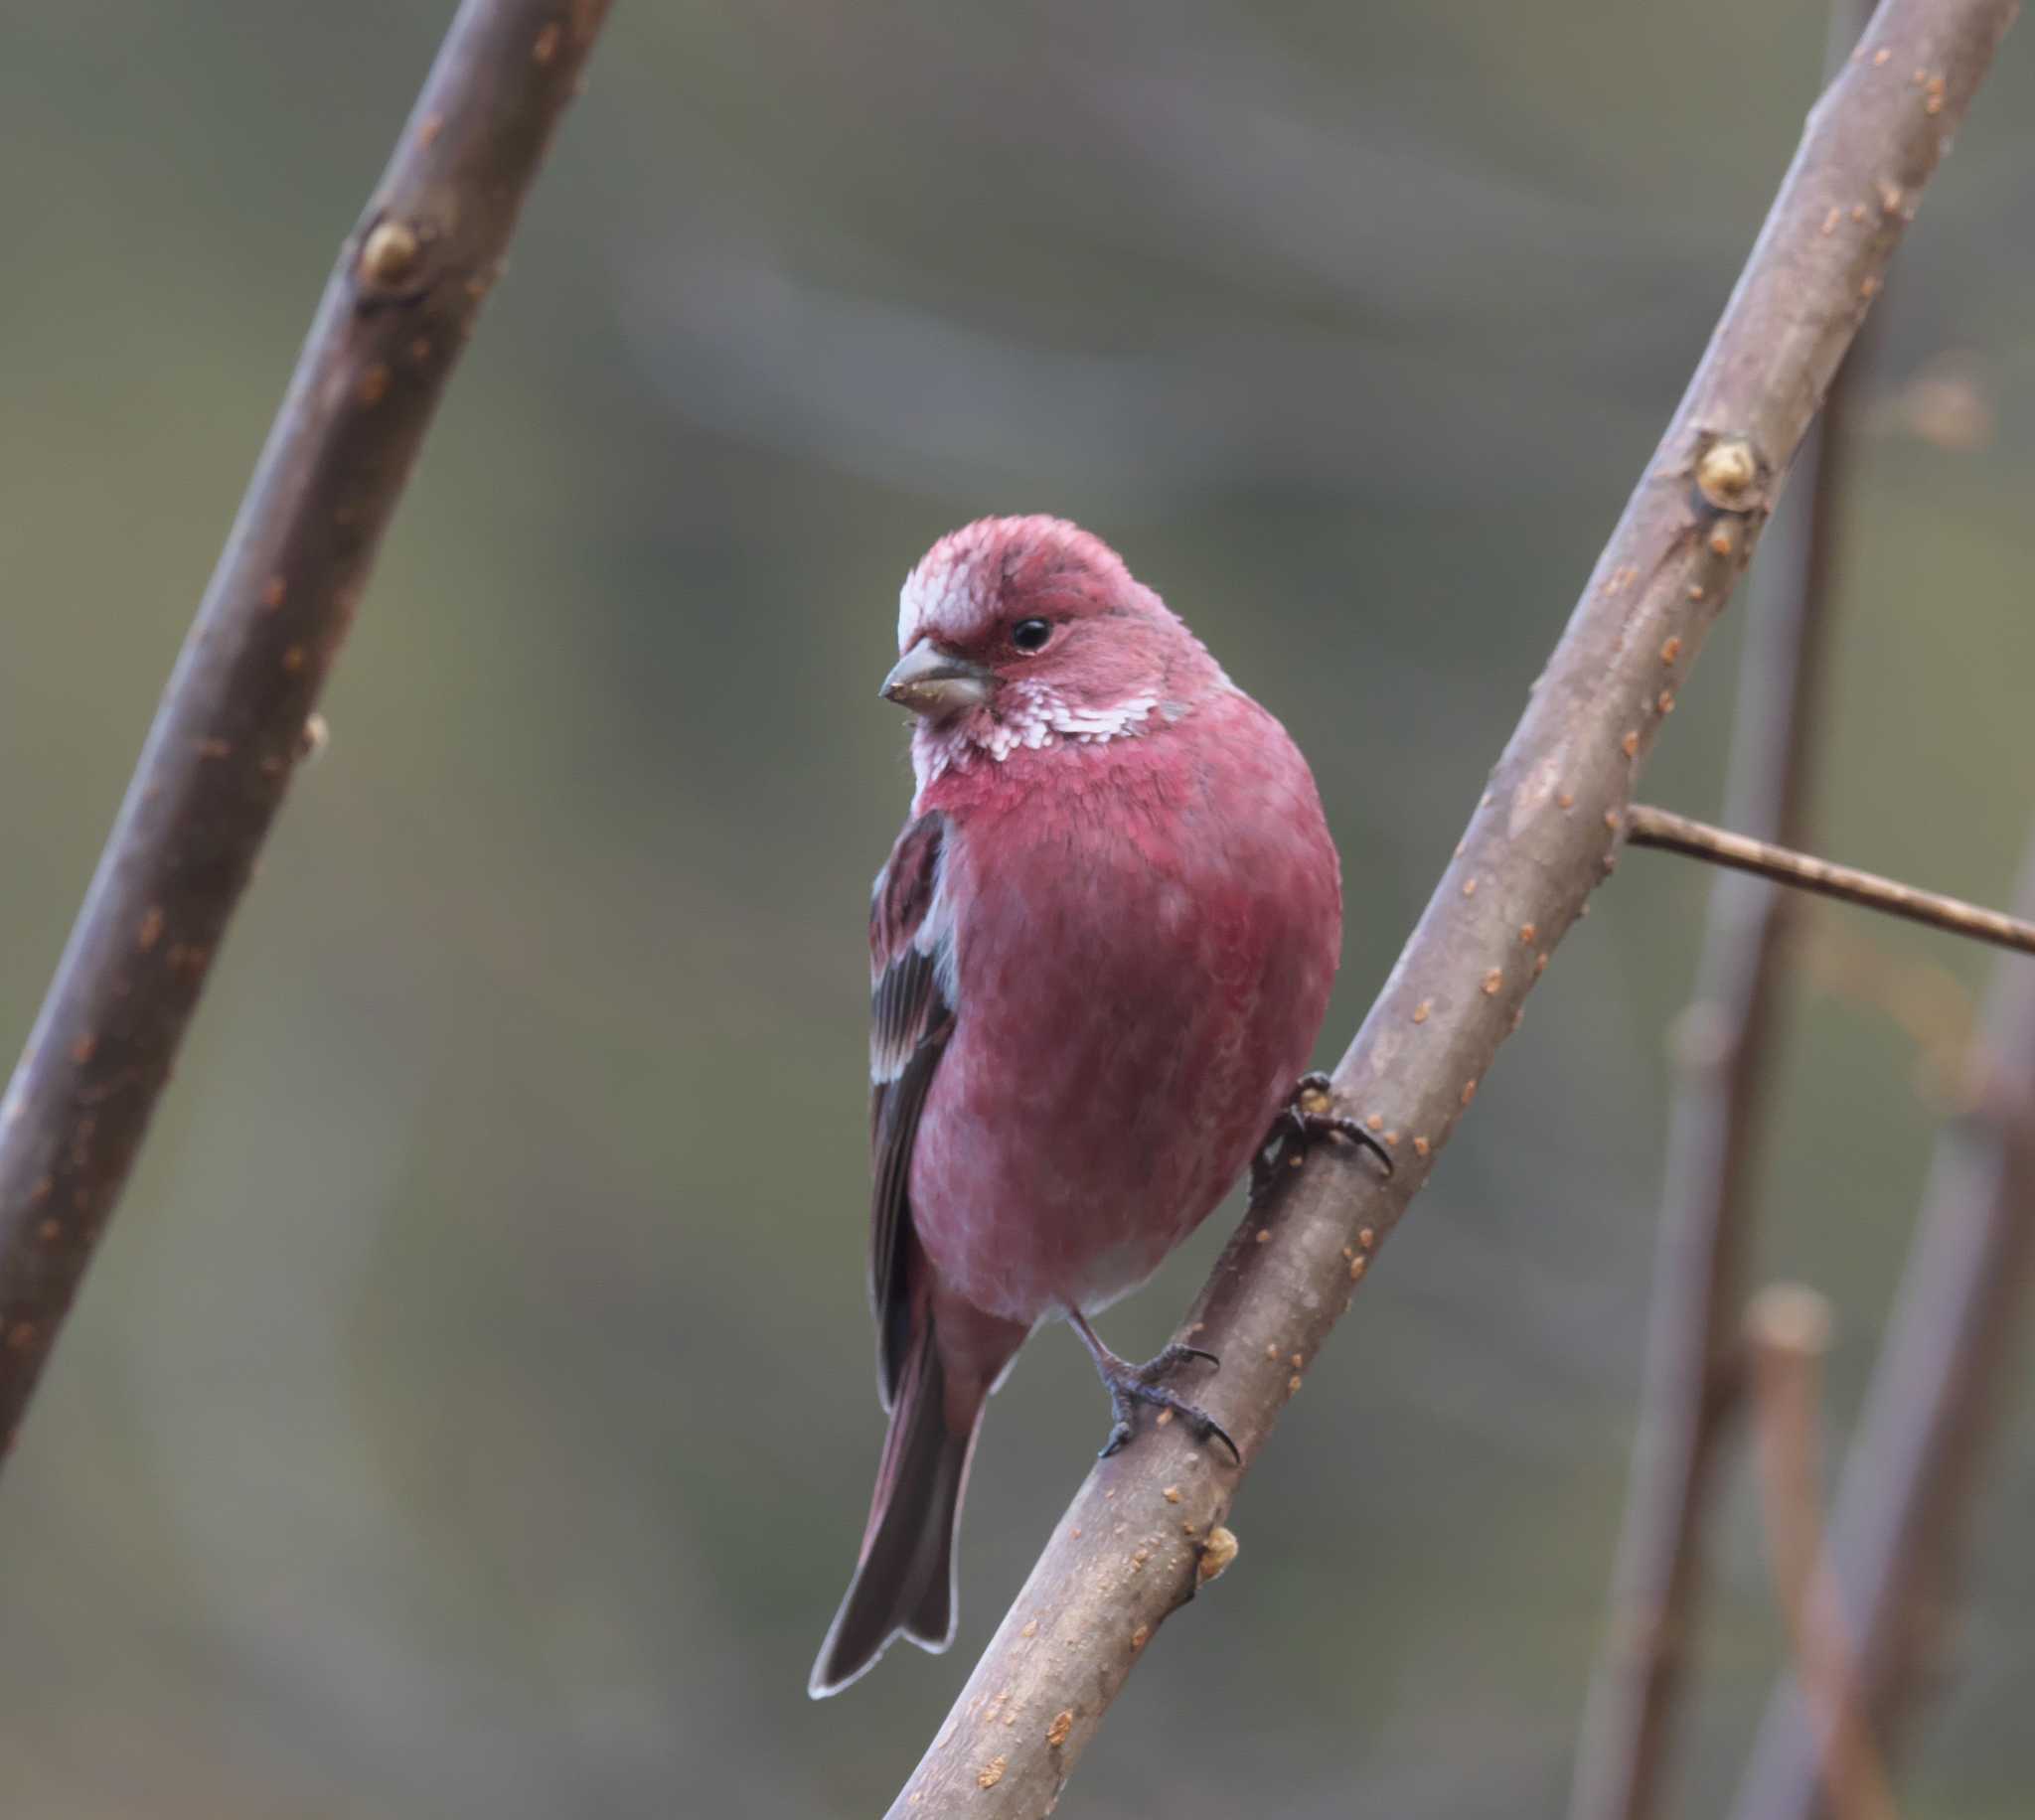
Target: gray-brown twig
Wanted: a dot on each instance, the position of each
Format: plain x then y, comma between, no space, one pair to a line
1673,833
230,728
1907,1479
1731,1032
1129,1551
1786,1334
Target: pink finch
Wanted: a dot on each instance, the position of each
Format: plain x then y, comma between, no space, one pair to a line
1101,953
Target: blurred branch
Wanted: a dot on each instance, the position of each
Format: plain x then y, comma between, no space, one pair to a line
1727,1038
1786,1334
1646,827
1927,1003
1130,1551
232,724
1929,1413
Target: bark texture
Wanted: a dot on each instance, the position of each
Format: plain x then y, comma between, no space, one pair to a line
232,724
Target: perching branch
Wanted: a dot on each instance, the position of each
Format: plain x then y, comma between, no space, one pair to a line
1127,1554
1732,1027
1674,834
1929,1413
395,314
1786,1334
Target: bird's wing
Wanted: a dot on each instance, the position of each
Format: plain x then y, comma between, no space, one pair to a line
911,1016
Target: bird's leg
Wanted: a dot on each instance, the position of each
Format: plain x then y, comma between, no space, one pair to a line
1130,1385
1305,1118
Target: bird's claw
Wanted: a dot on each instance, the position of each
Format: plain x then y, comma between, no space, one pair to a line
1156,1368
1130,1385
1305,1118
1138,1383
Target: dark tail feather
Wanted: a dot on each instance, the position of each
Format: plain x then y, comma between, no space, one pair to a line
905,1581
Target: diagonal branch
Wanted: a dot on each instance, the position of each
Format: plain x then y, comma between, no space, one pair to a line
396,315
1673,834
1929,1413
1127,1553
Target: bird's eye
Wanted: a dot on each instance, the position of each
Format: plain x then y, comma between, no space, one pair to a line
1030,635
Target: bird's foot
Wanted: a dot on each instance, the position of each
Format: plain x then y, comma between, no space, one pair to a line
1309,1114
1131,1385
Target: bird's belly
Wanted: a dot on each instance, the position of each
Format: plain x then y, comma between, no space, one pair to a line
1103,1088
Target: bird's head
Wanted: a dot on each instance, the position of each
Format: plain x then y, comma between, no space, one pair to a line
1017,634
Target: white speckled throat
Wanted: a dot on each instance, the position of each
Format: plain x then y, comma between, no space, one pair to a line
1027,716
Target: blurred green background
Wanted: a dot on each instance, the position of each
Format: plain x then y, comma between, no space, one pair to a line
472,1409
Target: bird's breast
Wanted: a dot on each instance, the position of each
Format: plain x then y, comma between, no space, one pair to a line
1140,972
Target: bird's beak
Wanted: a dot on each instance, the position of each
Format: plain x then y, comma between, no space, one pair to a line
935,683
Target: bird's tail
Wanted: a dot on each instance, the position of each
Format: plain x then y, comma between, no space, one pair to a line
904,1579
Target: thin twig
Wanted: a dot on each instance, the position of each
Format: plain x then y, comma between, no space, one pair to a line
230,728
1929,1413
1646,826
1730,1032
1127,1553
1786,1334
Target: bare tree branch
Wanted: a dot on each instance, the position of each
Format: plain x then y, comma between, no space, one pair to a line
1129,1551
395,314
1929,1414
1646,826
1786,1334
1728,1038
1729,1035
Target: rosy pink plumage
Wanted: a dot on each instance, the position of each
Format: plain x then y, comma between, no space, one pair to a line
1101,953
